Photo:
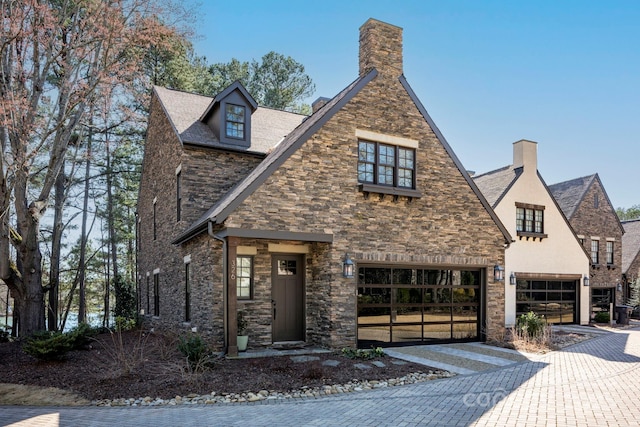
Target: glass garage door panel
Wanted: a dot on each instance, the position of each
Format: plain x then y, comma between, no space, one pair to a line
403,305
555,300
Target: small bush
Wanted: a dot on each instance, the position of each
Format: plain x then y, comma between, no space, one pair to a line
359,353
195,349
531,324
82,335
49,345
125,324
602,317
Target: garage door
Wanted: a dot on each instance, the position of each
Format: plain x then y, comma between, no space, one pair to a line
399,305
555,299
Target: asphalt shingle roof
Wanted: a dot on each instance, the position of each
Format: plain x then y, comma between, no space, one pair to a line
268,126
495,184
570,193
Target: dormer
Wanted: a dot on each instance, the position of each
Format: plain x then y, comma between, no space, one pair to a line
229,116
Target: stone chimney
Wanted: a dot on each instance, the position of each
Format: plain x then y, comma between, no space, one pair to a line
319,103
380,48
525,153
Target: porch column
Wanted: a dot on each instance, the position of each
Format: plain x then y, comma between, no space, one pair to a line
232,296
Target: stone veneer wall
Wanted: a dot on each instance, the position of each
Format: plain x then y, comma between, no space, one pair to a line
316,190
601,222
206,175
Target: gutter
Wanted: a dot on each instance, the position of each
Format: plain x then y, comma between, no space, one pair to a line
225,296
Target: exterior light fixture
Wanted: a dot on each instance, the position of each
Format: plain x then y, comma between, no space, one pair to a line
347,267
619,287
512,279
585,280
498,273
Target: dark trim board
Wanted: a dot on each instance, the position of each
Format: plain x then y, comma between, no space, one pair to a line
275,235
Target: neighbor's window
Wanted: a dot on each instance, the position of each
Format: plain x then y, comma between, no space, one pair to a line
235,121
595,249
530,219
244,276
156,294
384,164
609,252
187,292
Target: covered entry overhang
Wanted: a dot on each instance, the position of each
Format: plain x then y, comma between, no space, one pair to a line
232,240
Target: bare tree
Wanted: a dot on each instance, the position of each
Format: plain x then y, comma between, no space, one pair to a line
55,59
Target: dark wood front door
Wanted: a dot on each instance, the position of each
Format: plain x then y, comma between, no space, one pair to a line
287,298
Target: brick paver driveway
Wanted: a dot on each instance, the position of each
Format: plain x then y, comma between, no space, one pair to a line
596,382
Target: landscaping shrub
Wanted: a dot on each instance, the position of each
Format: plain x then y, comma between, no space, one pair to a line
195,349
531,324
82,335
49,345
359,353
602,317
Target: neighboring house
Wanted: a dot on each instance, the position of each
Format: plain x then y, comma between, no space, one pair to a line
359,227
631,252
586,205
545,266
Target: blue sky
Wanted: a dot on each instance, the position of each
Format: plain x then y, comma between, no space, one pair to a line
562,73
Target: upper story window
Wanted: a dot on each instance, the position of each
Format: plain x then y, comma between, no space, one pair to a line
388,165
609,252
155,224
530,220
235,120
596,201
595,252
179,195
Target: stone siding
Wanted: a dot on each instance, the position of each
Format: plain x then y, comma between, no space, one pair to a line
601,222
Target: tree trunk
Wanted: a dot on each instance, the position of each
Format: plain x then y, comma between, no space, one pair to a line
56,243
82,300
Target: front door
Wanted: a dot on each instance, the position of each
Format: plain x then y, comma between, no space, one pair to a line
287,298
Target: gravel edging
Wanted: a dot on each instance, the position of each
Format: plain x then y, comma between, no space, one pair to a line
266,395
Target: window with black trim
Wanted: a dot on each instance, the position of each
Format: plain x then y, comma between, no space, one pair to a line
595,249
156,294
235,119
148,297
155,226
530,220
386,165
244,276
178,195
187,292
609,252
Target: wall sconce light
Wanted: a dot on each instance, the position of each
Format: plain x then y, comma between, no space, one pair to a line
347,267
512,278
498,273
619,287
585,280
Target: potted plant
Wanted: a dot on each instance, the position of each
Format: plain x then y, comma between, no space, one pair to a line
243,338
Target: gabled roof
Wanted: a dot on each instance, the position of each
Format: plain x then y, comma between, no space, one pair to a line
630,243
184,111
235,86
221,210
570,194
495,184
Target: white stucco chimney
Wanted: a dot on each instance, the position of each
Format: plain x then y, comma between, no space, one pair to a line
525,153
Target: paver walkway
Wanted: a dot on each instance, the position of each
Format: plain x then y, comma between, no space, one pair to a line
592,383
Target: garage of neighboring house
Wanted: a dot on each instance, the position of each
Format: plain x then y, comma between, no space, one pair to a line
555,299
407,304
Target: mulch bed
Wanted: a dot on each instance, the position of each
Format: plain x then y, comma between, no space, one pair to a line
139,364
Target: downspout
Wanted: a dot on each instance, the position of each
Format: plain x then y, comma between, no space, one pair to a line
225,295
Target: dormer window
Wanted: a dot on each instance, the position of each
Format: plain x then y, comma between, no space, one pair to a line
234,121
